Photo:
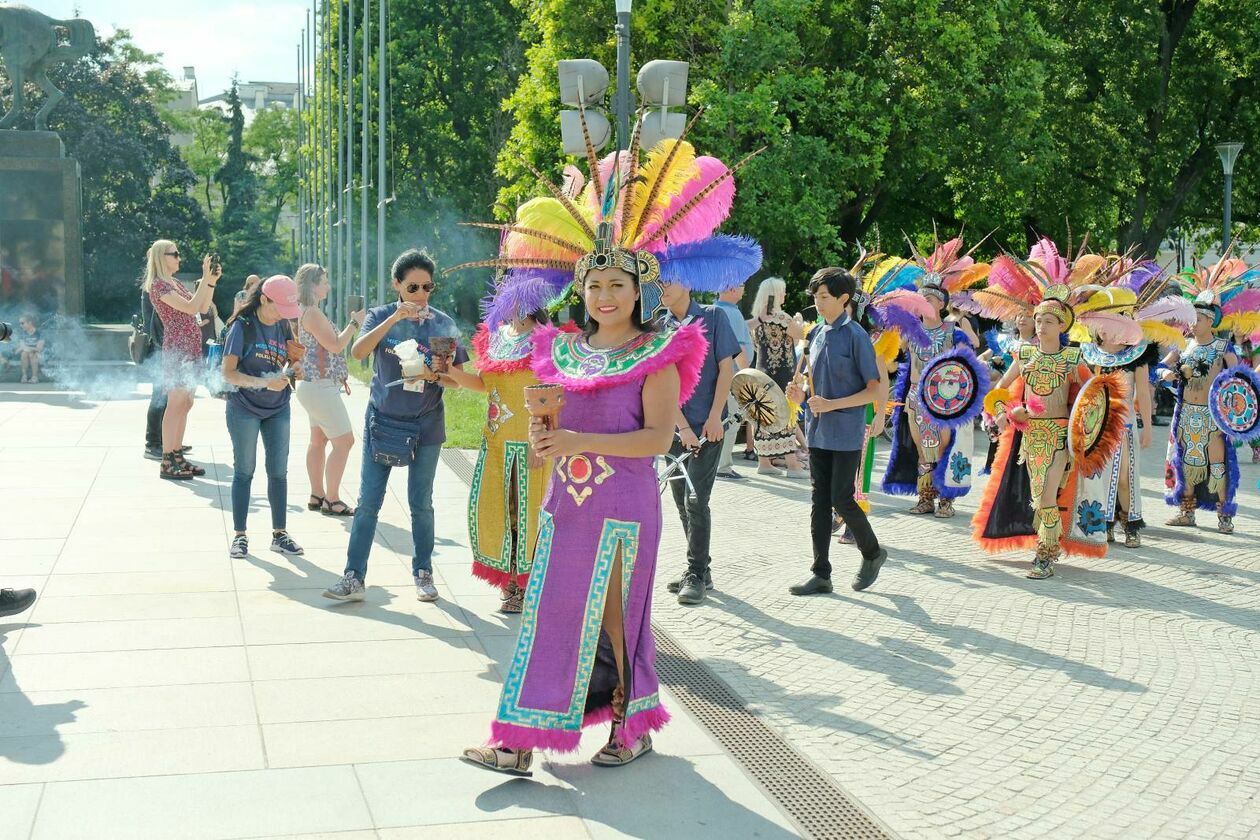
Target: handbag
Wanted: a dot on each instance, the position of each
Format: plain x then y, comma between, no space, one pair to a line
139,343
393,442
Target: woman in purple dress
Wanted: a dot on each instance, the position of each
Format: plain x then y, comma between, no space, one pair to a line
585,653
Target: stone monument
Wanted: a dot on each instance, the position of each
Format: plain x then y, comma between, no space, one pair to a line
41,236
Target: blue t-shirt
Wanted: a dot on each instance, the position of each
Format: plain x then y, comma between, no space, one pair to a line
722,345
739,326
264,356
424,406
842,363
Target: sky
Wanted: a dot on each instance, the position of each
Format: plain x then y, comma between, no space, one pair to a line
256,40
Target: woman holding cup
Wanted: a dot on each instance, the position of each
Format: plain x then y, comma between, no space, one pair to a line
324,380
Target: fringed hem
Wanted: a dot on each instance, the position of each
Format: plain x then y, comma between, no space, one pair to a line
641,723
515,737
495,577
685,349
1076,548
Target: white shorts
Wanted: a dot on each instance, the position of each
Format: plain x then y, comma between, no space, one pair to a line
322,401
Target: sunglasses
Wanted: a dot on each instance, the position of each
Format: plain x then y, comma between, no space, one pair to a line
174,254
412,288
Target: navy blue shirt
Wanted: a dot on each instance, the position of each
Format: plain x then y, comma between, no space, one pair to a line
262,355
722,345
424,406
842,362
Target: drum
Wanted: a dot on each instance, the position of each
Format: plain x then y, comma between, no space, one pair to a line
761,399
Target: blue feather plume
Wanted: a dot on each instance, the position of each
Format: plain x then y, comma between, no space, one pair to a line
905,322
711,265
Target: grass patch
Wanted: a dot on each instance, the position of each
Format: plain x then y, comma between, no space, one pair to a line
465,410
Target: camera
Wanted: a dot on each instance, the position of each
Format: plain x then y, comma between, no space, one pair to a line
6,331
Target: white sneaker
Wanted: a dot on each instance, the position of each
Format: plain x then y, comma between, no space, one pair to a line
425,590
349,588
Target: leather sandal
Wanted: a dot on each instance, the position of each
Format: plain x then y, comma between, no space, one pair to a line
615,755
511,762
337,508
173,469
315,502
188,465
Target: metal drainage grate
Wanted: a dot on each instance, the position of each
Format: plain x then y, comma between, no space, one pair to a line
811,798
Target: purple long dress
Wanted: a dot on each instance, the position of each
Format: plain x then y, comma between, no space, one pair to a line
563,672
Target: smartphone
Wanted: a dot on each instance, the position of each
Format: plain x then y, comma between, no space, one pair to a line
216,264
354,303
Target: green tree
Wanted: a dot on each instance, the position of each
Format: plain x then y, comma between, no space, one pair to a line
204,156
135,185
242,237
271,140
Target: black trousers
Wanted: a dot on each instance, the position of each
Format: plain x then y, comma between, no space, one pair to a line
696,519
833,474
157,410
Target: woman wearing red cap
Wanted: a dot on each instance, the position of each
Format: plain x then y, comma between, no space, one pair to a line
256,356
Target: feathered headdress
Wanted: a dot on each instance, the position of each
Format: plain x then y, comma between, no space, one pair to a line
887,294
948,273
1163,313
654,218
1226,292
1037,284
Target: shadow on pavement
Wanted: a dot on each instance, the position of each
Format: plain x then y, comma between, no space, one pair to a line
28,733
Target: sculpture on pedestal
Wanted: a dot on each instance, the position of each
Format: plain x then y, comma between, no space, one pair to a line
29,44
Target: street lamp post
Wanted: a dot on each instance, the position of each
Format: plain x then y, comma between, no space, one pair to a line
1229,154
623,73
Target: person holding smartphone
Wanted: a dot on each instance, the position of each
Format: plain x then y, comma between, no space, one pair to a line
405,426
256,358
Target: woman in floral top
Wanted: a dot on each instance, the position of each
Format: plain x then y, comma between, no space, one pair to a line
775,335
181,347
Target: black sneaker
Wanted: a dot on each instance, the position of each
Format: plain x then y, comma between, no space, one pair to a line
814,586
869,571
674,585
240,547
690,590
153,453
282,543
14,601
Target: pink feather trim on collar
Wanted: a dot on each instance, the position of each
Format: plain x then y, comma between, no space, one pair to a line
685,349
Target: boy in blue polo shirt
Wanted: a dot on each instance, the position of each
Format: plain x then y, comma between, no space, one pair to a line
844,379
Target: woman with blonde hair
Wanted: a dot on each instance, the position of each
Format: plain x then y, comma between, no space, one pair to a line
775,334
181,346
324,378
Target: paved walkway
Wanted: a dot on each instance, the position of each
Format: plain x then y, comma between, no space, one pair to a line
160,690
957,698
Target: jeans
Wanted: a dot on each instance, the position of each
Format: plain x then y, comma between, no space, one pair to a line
373,481
833,475
245,429
694,512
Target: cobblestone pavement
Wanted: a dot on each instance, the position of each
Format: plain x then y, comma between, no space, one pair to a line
957,698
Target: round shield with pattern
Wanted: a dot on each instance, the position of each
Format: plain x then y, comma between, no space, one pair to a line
1235,402
951,389
1096,427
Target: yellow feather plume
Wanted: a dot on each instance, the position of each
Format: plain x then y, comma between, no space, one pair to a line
1079,333
549,216
1241,323
669,166
1165,335
887,346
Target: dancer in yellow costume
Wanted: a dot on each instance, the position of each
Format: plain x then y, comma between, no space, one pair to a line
508,485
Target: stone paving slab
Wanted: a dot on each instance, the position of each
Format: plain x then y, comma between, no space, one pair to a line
957,698
159,689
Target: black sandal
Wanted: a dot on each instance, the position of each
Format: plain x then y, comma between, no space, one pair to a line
315,502
188,465
173,470
337,508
